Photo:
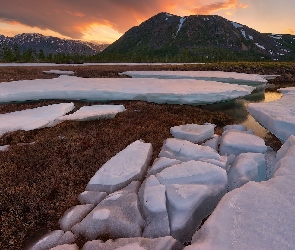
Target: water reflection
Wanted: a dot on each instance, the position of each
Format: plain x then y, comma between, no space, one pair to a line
237,109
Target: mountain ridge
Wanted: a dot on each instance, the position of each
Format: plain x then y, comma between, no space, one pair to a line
204,37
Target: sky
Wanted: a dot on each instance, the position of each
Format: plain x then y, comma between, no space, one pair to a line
104,21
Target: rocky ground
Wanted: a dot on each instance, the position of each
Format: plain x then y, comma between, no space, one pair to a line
40,181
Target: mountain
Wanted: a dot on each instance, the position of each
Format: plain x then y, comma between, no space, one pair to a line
199,38
50,45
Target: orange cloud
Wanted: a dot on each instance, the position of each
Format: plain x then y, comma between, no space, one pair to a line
209,8
72,18
290,31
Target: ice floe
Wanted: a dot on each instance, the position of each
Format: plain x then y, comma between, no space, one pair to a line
94,112
193,132
104,89
59,72
258,81
247,167
186,151
163,243
277,116
152,196
128,165
31,119
237,142
118,217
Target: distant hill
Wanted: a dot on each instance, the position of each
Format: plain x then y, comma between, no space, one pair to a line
49,45
198,38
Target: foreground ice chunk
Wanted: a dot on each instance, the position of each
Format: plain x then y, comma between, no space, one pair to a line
213,143
285,166
4,148
186,151
193,172
53,239
117,216
277,116
237,142
285,147
94,112
255,216
105,89
91,197
31,119
74,215
189,204
246,167
163,243
128,165
193,132
160,164
220,76
152,196
66,247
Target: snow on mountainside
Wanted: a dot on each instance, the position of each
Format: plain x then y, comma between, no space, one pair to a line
203,36
50,44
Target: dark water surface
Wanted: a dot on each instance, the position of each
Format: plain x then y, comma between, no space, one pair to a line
237,109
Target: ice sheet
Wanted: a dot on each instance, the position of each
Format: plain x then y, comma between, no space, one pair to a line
256,80
277,116
104,89
94,112
31,119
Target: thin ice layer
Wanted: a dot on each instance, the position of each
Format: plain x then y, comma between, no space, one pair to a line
256,80
94,112
105,89
277,116
128,165
31,119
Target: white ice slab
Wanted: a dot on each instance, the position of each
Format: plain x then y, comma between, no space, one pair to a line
220,76
31,119
186,151
66,247
163,243
91,197
74,215
59,72
237,142
285,147
128,165
193,132
4,148
105,89
193,172
152,197
94,112
247,167
160,164
213,143
277,116
117,215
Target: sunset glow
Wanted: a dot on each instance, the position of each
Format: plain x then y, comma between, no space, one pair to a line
106,21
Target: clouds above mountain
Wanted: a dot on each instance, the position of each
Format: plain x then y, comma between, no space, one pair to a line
71,17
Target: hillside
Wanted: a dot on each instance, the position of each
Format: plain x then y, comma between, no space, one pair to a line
199,38
34,43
